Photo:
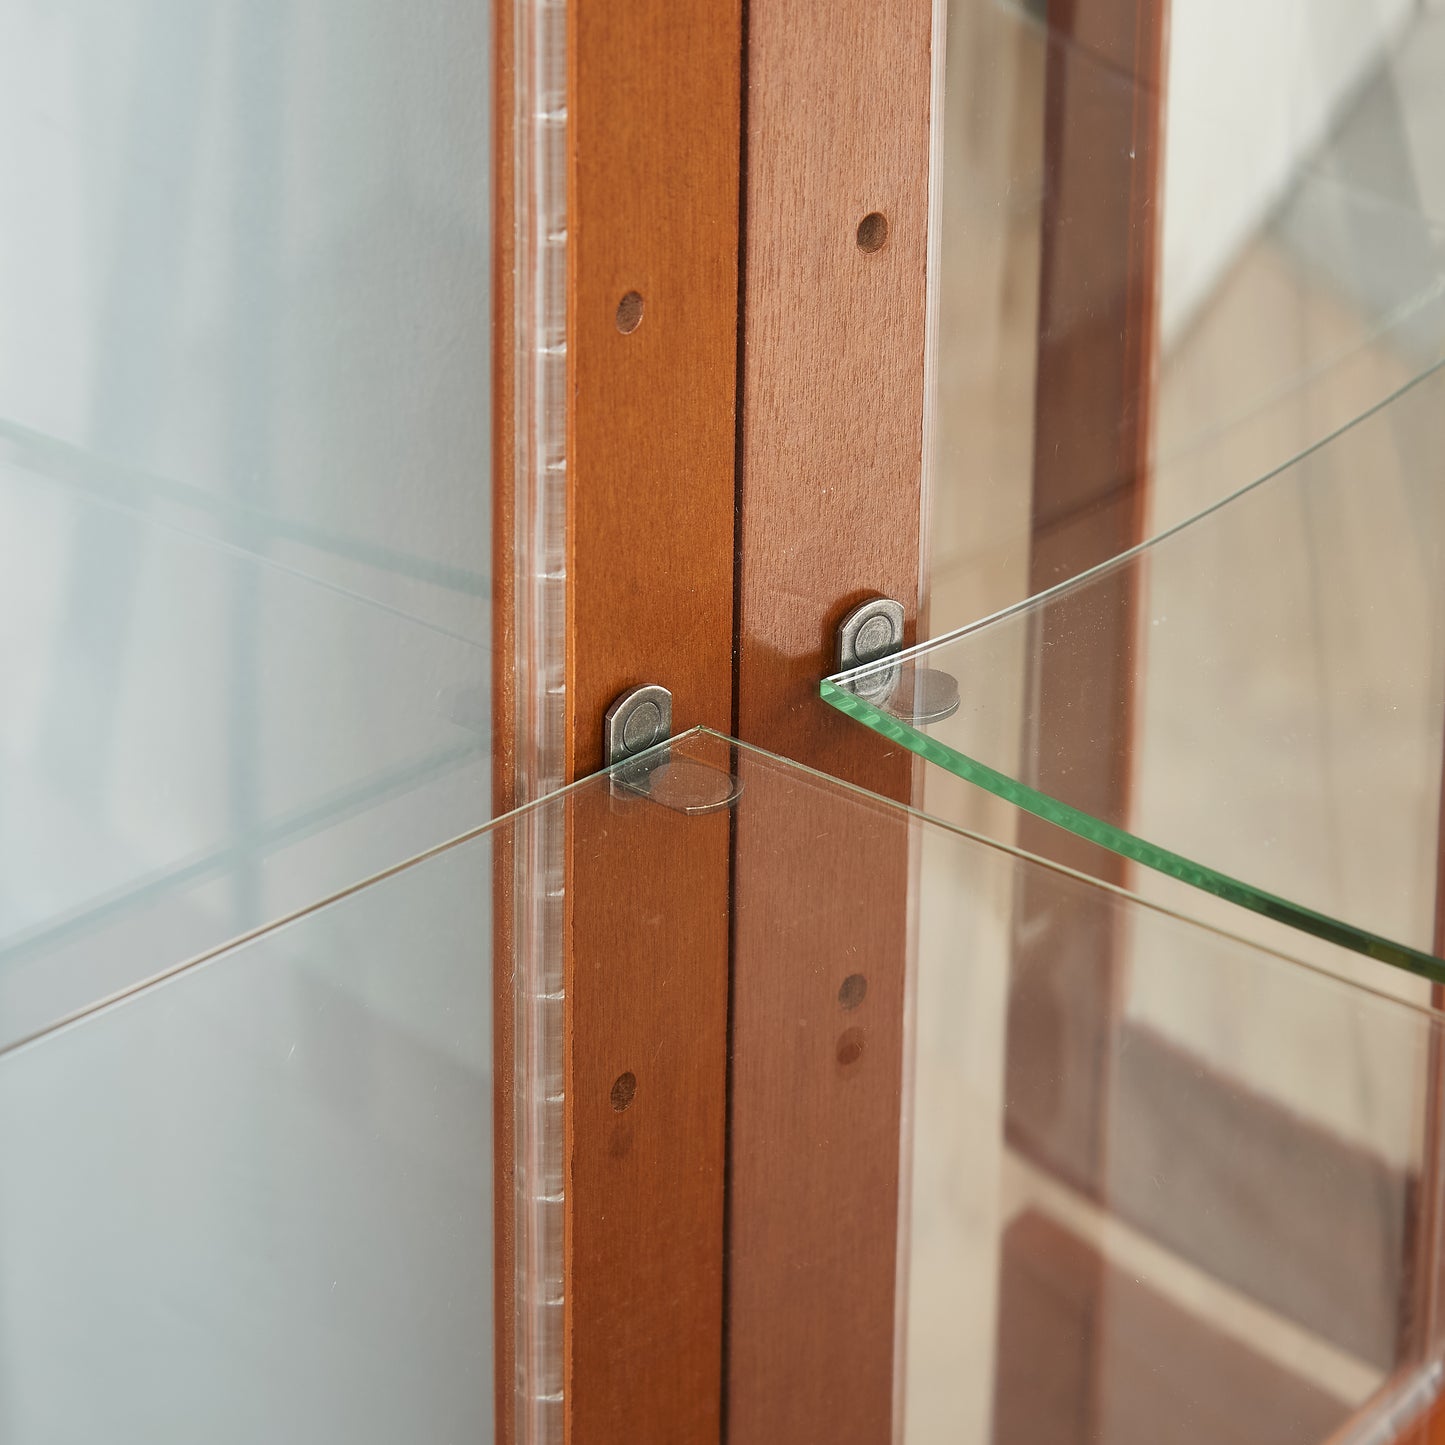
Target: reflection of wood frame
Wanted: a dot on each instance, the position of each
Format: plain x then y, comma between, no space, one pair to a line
1426,1255
1103,134
1093,396
1088,1352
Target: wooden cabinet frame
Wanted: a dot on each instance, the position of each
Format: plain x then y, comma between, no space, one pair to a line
747,334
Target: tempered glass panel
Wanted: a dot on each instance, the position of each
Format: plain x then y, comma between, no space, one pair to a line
1270,725
256,1203
253,1201
197,740
1159,1183
245,450
1298,276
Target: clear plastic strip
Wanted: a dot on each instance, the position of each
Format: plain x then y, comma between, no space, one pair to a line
540,559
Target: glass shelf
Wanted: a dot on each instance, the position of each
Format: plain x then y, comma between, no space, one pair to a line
245,453
252,1203
1276,700
198,739
1133,1161
1299,277
252,1200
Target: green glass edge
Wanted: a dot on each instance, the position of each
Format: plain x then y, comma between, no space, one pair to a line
1128,845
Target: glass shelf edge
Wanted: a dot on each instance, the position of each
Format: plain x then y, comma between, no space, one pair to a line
1129,845
921,649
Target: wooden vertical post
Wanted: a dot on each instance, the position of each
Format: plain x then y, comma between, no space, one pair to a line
646,1084
830,457
654,98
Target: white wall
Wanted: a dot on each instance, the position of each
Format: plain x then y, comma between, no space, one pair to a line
1252,90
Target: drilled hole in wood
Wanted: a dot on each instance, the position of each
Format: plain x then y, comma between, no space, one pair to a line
629,312
850,1047
623,1091
852,991
872,231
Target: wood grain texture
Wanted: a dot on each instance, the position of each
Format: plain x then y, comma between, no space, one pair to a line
656,97
832,435
830,456
816,1086
654,101
1094,393
648,998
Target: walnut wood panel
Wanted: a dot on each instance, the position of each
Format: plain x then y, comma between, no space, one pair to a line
654,99
1094,390
830,454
